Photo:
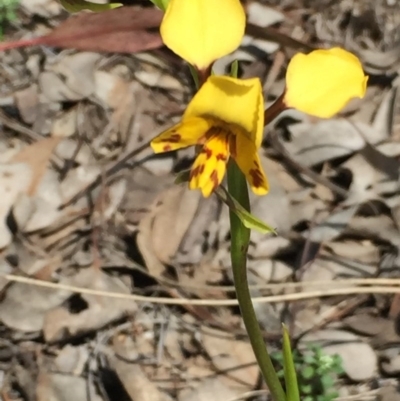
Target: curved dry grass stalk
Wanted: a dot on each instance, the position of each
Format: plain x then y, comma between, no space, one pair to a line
292,286
386,286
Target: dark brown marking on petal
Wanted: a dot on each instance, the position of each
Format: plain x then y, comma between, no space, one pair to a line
198,170
257,177
208,152
214,179
167,148
194,172
174,138
222,157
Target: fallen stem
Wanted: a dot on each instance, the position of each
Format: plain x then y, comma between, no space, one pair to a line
204,302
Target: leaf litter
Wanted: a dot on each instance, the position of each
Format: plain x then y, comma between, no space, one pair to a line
85,203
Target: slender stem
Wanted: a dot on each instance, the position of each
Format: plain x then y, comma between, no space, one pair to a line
275,109
203,75
240,237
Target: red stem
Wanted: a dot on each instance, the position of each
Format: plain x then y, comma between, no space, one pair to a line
203,75
275,109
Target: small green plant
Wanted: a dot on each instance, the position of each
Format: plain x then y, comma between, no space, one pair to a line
317,372
8,10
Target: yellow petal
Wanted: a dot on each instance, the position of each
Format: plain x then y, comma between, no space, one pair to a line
201,31
322,82
210,165
246,157
237,102
187,133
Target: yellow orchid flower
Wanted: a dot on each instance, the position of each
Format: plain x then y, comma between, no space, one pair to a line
226,117
201,31
322,82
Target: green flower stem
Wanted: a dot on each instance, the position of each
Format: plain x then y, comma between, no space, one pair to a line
240,237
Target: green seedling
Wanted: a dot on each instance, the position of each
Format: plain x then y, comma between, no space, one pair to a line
8,14
316,371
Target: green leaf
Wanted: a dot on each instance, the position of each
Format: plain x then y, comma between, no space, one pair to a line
331,396
308,372
161,4
73,6
292,388
195,76
182,177
327,381
235,69
309,359
306,389
280,374
248,220
277,356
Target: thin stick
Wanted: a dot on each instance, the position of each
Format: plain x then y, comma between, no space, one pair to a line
205,302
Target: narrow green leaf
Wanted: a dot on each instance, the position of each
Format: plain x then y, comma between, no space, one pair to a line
182,177
248,220
292,388
195,76
73,6
161,4
235,69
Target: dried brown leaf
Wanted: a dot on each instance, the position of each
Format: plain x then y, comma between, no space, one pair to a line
24,306
37,156
163,229
27,101
122,30
14,180
71,78
328,139
233,357
62,387
61,322
379,227
136,383
331,227
211,389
